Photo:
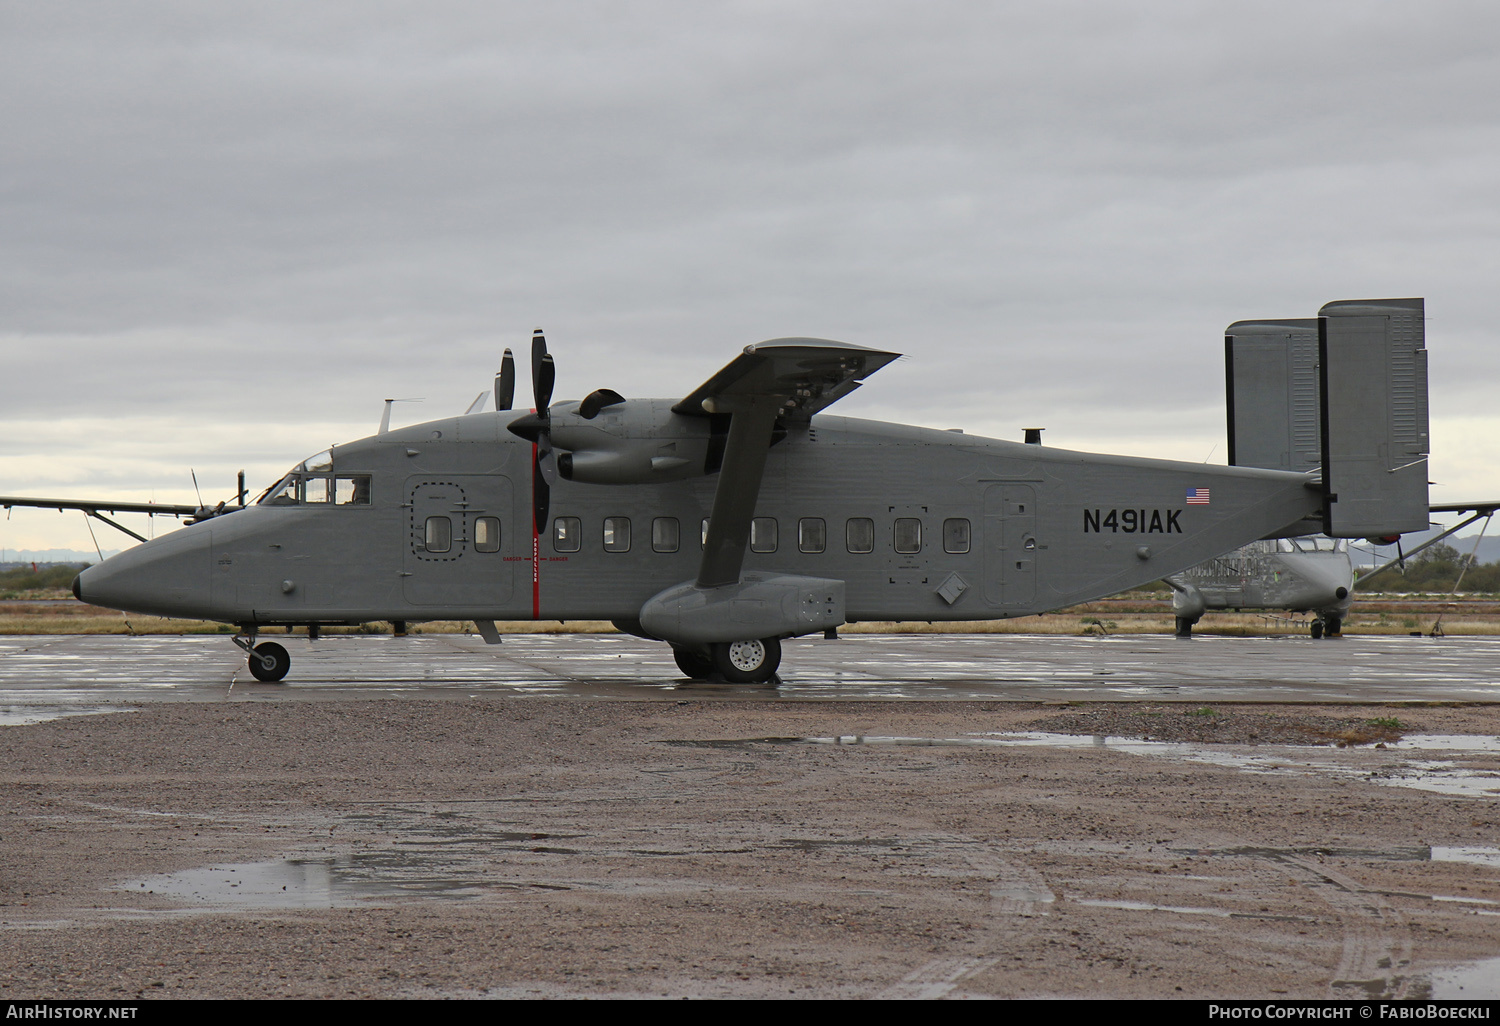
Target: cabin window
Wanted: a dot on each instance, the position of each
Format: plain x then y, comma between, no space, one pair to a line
567,534
955,535
859,535
616,534
812,534
908,535
664,534
763,534
438,536
487,534
352,491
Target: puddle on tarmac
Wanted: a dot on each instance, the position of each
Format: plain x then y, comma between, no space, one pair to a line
1472,982
21,715
1399,769
1145,906
335,882
1471,856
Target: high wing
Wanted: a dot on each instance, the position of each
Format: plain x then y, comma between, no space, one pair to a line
783,379
1482,508
93,506
807,374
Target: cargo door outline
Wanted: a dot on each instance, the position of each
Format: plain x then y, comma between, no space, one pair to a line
1010,546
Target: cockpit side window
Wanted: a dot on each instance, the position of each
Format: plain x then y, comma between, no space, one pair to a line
353,490
315,489
283,493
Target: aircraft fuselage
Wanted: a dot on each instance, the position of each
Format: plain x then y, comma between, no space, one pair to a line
434,522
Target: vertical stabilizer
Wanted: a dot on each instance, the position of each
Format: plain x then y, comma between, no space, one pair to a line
1271,370
1373,382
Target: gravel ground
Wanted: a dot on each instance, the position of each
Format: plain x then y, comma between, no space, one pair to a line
533,847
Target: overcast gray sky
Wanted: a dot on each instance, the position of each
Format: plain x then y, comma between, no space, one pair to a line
228,231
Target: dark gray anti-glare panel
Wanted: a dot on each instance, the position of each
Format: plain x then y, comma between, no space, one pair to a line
1271,367
1374,400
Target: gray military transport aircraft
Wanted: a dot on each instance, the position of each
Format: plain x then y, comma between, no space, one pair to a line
1275,405
1311,574
802,521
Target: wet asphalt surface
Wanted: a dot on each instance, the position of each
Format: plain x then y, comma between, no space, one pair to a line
899,817
85,671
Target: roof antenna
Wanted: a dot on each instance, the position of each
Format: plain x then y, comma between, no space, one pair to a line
385,418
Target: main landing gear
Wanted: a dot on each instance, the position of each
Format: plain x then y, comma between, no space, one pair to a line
738,662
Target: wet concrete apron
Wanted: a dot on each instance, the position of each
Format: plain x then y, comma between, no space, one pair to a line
508,846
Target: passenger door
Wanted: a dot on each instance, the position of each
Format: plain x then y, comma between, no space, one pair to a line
451,558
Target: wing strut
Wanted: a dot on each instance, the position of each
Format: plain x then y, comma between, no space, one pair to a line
118,527
1479,509
786,379
750,427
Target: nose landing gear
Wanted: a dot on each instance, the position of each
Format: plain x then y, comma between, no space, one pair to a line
268,661
1327,627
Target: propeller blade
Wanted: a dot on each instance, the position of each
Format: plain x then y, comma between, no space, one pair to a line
538,355
537,427
505,382
546,378
541,495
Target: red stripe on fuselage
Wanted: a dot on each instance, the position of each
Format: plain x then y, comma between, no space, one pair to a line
536,544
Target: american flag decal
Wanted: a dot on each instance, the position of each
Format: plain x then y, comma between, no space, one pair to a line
1197,496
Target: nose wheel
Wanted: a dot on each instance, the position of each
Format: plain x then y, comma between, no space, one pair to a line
269,662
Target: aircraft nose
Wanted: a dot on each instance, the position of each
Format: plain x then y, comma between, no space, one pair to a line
1326,581
166,577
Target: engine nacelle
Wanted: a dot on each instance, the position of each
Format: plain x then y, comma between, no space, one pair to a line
638,441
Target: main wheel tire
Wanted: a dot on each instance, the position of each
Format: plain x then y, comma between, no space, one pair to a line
693,664
1333,626
747,662
1316,629
280,662
1185,626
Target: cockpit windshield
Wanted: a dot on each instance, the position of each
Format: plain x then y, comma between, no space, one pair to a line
312,482
1312,543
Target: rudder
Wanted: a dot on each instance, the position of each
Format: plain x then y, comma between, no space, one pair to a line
1373,395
